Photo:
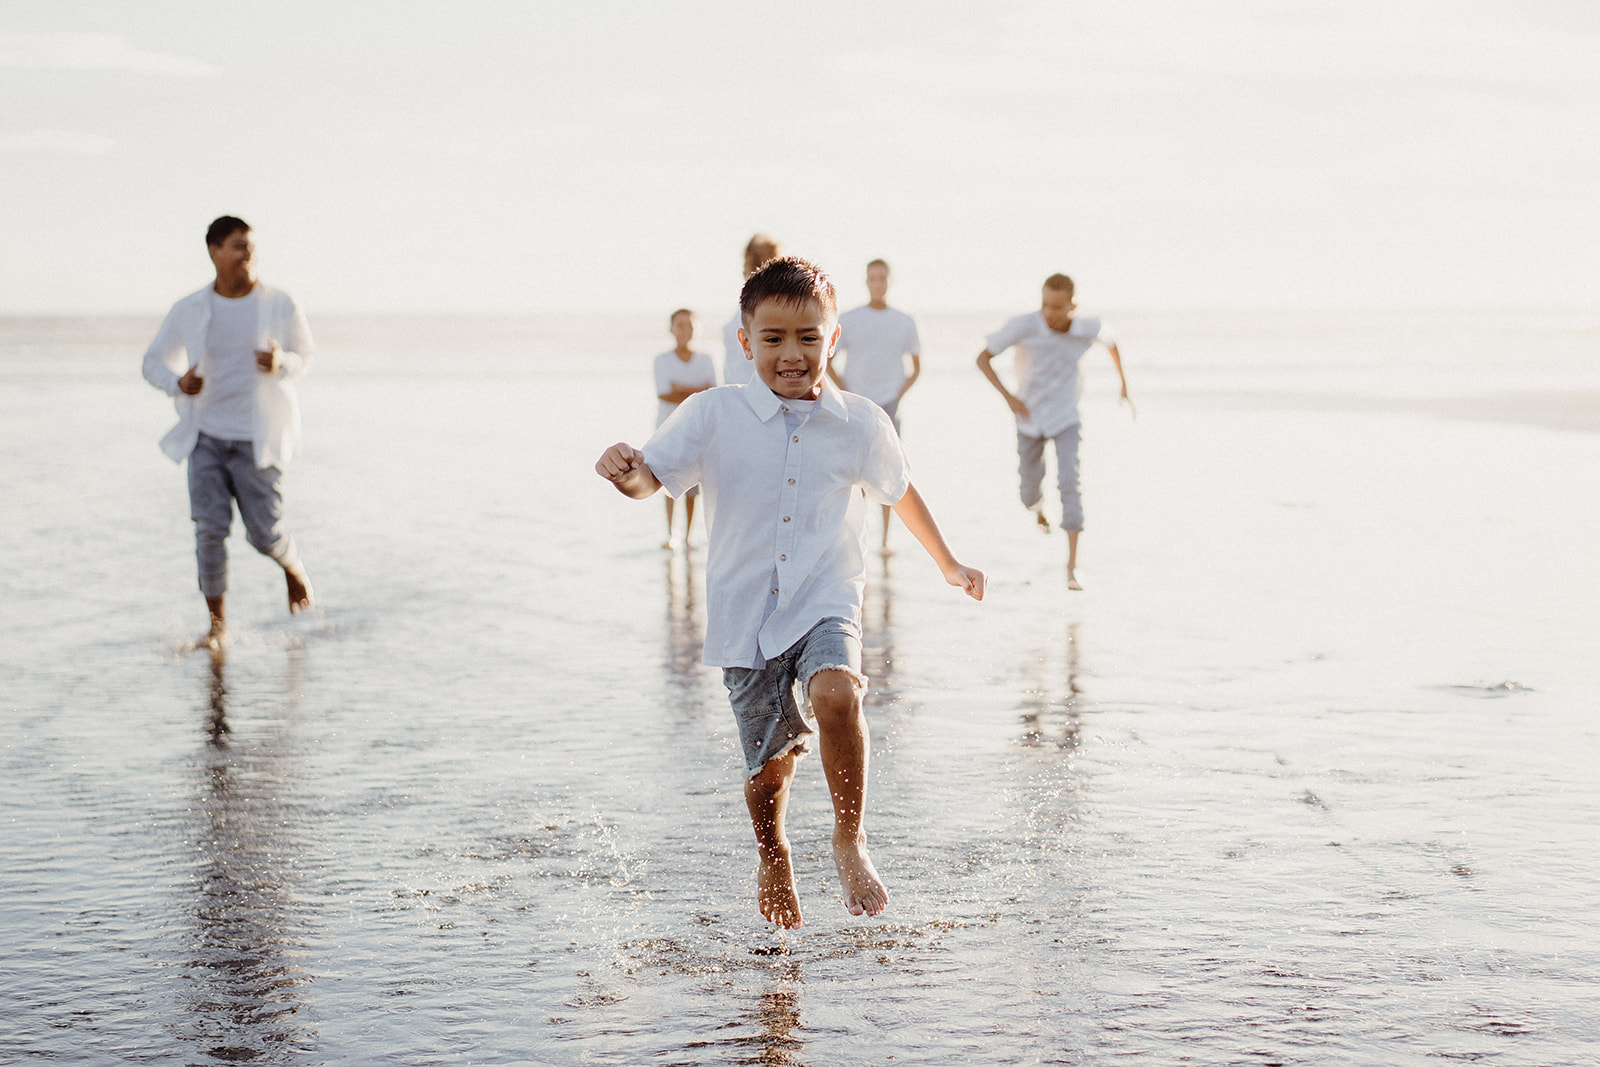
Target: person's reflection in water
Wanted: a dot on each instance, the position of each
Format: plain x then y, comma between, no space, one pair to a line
685,631
877,640
247,926
778,1019
1050,711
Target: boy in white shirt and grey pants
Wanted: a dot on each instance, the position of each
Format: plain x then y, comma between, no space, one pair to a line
1050,343
787,464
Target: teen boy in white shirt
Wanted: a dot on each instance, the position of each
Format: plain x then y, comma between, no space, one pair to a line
1050,343
787,463
875,340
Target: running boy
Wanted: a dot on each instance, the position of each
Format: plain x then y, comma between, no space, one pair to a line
680,373
1049,344
788,463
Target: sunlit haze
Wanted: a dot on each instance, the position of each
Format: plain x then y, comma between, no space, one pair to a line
512,157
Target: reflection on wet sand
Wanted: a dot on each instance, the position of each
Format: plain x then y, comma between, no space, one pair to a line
243,978
1049,704
878,640
777,1019
685,627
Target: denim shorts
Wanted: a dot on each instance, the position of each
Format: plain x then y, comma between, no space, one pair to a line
770,720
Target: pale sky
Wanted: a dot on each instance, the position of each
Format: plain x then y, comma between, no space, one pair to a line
533,156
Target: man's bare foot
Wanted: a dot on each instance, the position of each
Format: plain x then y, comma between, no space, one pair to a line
1039,519
775,891
217,639
864,893
300,598
1073,583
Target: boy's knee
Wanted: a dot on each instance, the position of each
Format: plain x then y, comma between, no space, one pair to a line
834,694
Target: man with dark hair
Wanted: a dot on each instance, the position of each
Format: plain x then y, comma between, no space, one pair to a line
229,355
787,462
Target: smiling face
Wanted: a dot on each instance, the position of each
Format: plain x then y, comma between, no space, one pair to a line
234,258
791,344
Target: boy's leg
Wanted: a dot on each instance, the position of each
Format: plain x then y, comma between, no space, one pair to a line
688,516
211,508
1030,474
830,667
668,542
767,797
1071,499
260,494
835,697
772,734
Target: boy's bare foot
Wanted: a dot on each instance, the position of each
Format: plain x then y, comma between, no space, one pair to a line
217,638
300,598
1073,583
864,893
775,891
1042,522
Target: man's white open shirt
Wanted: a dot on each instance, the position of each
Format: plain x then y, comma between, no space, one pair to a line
785,513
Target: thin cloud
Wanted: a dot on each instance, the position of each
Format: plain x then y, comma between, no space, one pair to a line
94,51
57,141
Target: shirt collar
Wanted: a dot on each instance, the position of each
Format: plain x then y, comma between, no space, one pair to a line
765,403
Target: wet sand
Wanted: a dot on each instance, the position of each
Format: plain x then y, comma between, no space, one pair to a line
1304,776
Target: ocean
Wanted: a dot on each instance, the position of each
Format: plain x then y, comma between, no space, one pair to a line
1306,775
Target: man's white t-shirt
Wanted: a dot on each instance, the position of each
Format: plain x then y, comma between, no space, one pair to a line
226,405
736,369
698,370
1048,380
875,343
785,508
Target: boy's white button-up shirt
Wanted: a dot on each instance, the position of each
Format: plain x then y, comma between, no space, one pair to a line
785,511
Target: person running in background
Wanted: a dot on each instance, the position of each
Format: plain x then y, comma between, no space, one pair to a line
875,340
229,355
736,367
1050,342
680,373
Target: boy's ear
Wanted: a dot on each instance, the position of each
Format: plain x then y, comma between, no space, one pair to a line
833,342
744,343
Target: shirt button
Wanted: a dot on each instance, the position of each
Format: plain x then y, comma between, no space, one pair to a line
791,481
774,592
783,559
786,518
796,437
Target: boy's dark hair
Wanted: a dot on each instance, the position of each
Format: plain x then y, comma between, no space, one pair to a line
879,263
757,251
223,228
672,318
791,280
1060,282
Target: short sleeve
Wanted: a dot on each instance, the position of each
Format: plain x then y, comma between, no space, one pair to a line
676,451
885,474
1008,335
913,343
1103,333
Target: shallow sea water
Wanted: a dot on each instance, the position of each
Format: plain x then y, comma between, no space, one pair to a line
1306,776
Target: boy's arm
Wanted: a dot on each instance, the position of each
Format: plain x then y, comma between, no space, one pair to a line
913,511
985,361
1116,358
623,466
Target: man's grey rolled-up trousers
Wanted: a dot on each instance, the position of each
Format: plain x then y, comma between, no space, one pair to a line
221,472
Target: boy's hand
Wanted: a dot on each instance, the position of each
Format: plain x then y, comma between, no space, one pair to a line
619,461
191,382
969,580
1018,406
